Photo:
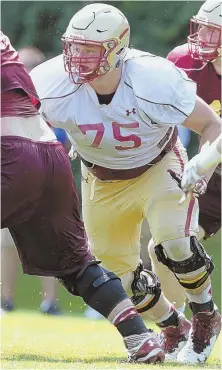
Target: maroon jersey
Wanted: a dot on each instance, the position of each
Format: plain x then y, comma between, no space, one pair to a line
13,72
209,89
204,74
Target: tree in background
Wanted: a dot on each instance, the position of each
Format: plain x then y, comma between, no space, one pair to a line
156,26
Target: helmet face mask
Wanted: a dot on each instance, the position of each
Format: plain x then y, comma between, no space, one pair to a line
95,62
95,42
204,41
204,48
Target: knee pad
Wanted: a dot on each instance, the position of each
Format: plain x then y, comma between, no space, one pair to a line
99,288
92,279
145,288
187,259
70,281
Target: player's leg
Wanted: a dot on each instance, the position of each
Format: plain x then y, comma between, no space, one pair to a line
144,240
153,305
103,291
113,219
174,230
9,269
171,288
56,245
210,206
49,303
210,219
209,224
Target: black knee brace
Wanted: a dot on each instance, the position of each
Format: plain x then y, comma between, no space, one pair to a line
69,281
99,288
141,288
198,259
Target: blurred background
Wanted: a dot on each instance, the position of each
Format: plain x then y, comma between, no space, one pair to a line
156,27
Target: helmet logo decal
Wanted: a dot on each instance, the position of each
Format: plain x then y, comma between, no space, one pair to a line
211,10
81,29
100,31
124,32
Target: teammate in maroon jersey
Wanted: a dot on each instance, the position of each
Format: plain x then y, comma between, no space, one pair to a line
206,72
200,58
41,209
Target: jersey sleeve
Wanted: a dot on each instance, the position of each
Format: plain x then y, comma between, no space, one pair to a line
170,96
181,58
53,85
13,72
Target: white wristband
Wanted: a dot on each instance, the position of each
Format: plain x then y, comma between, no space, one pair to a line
209,158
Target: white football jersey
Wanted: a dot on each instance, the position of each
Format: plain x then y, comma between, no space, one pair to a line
152,95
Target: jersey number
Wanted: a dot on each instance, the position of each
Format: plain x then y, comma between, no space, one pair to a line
100,129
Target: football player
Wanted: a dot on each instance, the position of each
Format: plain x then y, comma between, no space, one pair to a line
122,107
200,57
41,209
31,57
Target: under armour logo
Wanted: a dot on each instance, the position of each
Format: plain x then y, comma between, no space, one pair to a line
85,180
132,111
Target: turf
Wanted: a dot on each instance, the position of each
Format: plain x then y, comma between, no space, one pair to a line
33,341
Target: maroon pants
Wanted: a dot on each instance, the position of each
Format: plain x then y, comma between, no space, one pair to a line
40,206
210,206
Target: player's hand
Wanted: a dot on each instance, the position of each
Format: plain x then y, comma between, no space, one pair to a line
192,175
191,178
66,140
72,153
197,187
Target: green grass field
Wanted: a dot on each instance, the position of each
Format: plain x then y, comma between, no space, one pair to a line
28,289
32,341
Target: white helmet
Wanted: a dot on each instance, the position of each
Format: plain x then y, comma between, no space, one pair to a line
209,16
98,25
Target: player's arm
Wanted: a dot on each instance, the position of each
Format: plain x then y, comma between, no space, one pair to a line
210,157
204,121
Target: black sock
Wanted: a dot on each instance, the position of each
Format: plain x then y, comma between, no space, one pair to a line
171,321
202,307
132,326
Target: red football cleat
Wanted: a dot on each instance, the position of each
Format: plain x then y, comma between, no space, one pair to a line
144,348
